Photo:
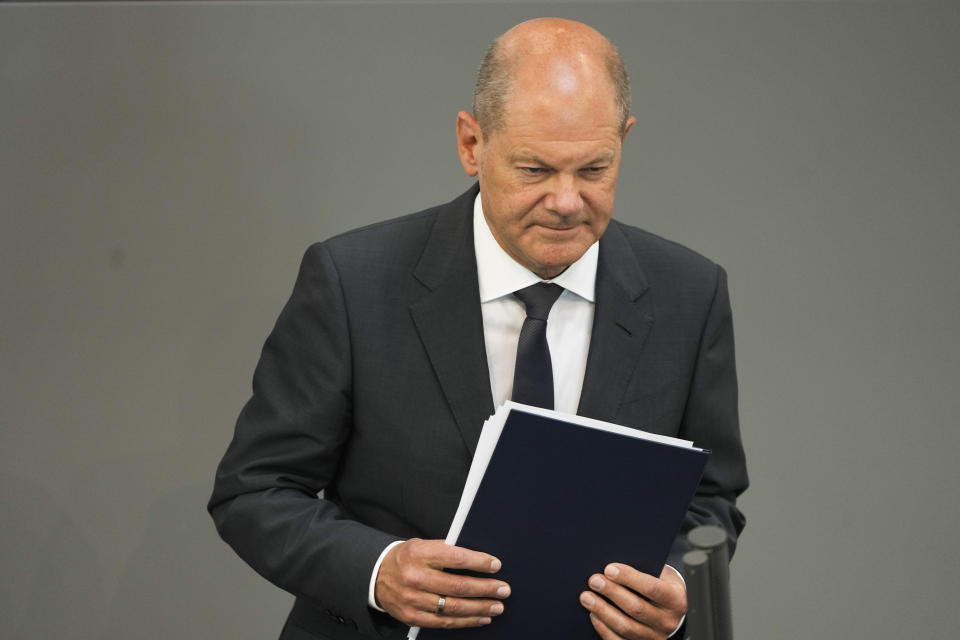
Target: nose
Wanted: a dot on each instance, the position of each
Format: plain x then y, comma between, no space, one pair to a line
564,197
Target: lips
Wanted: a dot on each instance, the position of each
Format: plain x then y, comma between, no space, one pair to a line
559,225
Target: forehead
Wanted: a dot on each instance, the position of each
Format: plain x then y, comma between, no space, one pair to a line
548,127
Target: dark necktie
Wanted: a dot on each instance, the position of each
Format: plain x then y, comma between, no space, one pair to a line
533,374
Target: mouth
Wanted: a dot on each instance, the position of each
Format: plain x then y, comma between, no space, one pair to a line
559,223
558,228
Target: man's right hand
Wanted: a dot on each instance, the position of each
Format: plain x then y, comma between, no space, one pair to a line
411,582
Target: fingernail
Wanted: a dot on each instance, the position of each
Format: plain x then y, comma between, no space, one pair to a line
612,571
483,621
503,591
496,609
587,599
495,565
597,582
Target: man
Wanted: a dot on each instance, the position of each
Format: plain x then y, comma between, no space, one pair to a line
399,339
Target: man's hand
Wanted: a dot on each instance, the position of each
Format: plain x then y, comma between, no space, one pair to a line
411,582
635,605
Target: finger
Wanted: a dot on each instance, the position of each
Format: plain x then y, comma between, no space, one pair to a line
441,555
451,584
602,630
420,609
635,607
458,607
421,587
432,620
665,594
434,581
618,622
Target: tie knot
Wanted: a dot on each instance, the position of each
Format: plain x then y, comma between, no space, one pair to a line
539,298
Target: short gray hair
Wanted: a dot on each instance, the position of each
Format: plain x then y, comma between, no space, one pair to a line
494,80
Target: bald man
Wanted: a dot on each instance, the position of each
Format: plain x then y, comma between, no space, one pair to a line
400,339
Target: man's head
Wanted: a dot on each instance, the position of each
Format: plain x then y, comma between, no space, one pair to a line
552,110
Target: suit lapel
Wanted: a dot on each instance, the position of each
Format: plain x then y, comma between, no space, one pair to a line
449,320
622,320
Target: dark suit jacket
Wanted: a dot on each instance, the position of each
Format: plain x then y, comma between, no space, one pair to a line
373,387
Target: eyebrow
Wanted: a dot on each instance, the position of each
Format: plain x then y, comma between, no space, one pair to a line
533,158
528,157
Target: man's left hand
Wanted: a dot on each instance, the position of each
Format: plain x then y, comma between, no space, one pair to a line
635,605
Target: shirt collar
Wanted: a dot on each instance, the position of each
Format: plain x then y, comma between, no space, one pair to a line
500,275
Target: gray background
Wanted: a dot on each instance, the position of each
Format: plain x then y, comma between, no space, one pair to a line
163,167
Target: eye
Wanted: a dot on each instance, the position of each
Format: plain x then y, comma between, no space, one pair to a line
533,171
593,171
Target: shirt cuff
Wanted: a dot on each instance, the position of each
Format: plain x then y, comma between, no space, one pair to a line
683,619
371,597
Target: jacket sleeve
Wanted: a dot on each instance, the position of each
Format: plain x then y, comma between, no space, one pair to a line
710,420
285,451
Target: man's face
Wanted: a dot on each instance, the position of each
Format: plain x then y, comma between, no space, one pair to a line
547,178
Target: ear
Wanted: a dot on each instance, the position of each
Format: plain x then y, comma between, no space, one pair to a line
469,143
626,128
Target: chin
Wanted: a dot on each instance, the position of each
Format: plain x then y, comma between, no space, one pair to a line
558,261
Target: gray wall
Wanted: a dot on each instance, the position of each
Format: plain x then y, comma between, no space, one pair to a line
163,166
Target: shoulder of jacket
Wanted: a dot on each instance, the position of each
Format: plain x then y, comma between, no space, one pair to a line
647,245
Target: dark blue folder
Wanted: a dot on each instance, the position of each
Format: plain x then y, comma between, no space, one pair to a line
560,501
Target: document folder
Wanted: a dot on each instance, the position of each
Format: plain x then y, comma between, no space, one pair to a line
560,498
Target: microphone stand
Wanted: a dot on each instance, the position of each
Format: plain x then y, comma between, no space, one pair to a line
707,571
